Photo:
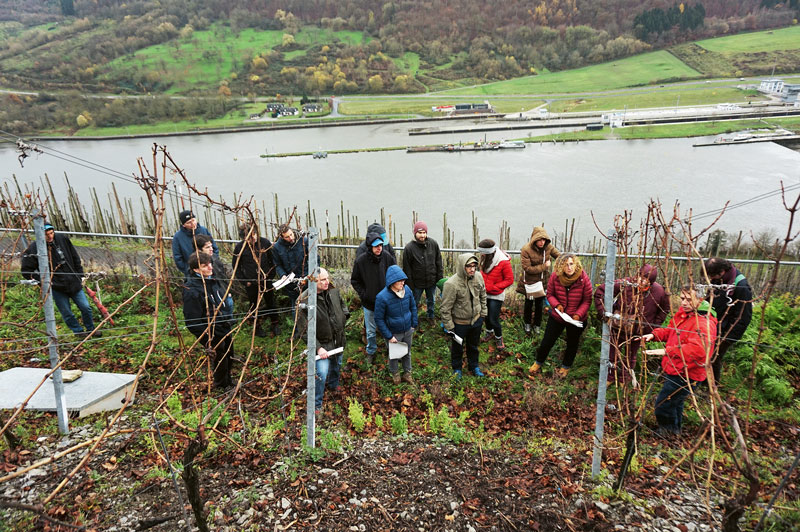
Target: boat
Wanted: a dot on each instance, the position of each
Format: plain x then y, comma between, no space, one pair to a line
320,154
512,144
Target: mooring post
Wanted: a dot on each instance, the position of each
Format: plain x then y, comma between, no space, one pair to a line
608,302
311,302
50,320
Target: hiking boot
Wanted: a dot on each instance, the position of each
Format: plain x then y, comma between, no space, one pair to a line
260,331
409,379
535,368
527,328
537,330
488,336
477,372
396,378
457,373
370,358
562,372
500,345
276,329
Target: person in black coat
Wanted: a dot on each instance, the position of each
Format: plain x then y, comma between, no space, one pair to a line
376,228
368,279
66,273
206,314
732,300
422,263
253,269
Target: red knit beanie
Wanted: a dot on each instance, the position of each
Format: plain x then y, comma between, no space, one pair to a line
420,226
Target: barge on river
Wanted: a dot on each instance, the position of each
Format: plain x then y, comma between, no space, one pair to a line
470,146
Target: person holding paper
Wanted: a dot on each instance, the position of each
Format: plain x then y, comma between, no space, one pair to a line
396,318
331,318
463,311
497,276
690,338
569,292
535,257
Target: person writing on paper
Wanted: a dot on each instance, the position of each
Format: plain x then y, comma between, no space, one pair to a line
690,338
396,318
569,292
463,311
331,317
535,258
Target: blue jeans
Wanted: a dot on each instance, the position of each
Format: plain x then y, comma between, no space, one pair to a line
493,316
62,299
327,370
669,403
372,335
430,298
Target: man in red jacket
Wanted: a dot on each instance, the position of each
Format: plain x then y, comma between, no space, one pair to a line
690,338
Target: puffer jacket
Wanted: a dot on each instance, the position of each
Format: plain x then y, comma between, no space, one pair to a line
66,269
498,276
394,315
532,259
422,263
575,298
463,299
200,300
331,318
369,274
690,338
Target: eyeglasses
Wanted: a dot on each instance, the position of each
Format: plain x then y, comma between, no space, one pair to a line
472,266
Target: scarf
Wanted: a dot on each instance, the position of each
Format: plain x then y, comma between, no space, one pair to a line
568,280
401,293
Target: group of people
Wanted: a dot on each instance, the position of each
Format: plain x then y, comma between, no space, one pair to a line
703,329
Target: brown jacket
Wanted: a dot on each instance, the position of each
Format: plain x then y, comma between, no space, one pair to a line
533,259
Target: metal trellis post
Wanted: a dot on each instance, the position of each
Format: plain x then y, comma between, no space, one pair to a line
311,303
50,321
608,302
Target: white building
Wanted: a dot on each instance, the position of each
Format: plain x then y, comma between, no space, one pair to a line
771,86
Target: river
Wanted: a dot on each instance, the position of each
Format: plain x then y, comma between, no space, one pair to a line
544,183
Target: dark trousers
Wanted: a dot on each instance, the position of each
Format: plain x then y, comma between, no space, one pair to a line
533,306
493,317
220,352
669,403
552,331
267,302
471,334
716,363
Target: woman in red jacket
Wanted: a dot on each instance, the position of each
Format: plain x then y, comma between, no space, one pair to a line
497,275
569,292
690,338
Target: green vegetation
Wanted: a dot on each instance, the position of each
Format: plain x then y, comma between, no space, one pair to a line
761,41
699,95
643,69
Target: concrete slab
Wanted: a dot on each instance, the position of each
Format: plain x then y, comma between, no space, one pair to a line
93,392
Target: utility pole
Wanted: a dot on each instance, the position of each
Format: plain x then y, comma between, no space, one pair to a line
311,304
608,302
50,320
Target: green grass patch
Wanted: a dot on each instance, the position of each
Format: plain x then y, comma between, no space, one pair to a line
408,62
759,41
633,71
288,56
657,98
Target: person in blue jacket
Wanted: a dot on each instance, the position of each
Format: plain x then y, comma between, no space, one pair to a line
290,255
183,241
396,318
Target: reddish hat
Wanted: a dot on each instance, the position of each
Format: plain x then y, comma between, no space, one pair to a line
420,226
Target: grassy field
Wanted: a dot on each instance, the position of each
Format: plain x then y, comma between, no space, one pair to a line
409,63
657,98
760,41
422,106
652,67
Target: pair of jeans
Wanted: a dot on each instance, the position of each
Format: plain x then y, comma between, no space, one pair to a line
406,337
430,298
471,334
533,306
552,331
372,335
493,317
669,403
328,371
62,301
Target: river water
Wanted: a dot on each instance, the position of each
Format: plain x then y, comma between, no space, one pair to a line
544,183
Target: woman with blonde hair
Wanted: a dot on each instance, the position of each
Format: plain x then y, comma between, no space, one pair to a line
569,292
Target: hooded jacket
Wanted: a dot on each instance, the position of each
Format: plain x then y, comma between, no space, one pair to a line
253,263
66,269
394,315
733,306
369,273
463,299
363,247
183,246
498,276
575,298
422,263
291,258
201,297
690,339
532,259
647,309
331,318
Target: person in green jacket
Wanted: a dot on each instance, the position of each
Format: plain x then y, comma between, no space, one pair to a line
463,311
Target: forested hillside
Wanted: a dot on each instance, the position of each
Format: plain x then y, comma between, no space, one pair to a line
350,46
